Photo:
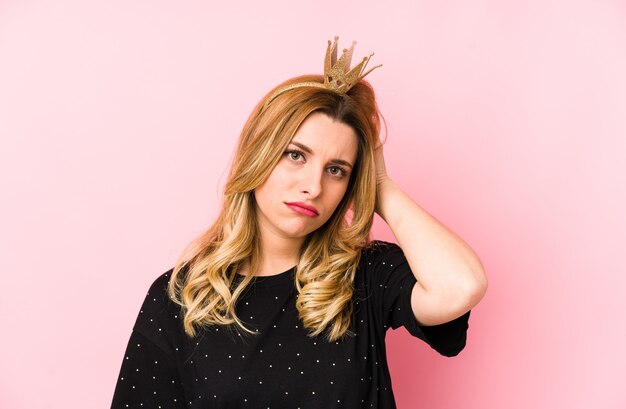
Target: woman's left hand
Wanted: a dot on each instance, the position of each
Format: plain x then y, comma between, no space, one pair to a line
381,176
379,162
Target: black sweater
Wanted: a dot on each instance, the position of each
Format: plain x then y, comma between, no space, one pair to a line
279,366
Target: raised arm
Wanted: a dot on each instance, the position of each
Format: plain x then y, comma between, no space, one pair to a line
450,277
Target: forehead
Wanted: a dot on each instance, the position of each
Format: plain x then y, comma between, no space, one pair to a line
327,137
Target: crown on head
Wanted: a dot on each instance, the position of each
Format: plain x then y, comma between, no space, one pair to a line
337,73
338,76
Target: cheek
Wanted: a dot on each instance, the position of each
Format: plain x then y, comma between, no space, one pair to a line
282,178
263,193
273,189
337,195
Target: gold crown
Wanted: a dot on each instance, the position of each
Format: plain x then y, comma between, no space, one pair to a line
338,76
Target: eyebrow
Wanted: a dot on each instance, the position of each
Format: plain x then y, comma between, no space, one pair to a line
309,150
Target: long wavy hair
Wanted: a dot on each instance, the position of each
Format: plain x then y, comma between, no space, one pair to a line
204,280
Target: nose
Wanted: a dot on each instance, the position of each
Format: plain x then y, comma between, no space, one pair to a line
311,183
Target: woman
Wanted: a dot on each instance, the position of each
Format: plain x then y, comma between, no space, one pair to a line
284,302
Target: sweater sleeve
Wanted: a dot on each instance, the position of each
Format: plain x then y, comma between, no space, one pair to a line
148,377
391,281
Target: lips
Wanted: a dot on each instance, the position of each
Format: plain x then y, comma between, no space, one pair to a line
302,208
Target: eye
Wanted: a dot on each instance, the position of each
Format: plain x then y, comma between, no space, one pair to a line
294,155
336,171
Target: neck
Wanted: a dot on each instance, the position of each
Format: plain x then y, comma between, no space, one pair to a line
277,255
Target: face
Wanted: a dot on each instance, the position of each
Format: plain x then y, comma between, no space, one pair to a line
309,181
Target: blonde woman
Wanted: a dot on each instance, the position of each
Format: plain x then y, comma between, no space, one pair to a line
284,302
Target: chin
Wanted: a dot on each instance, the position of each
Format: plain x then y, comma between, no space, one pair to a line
298,231
298,234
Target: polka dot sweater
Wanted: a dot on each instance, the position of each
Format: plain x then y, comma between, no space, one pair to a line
279,366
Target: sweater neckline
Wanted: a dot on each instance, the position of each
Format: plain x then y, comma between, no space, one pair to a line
286,276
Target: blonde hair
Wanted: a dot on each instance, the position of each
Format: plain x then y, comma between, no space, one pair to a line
203,280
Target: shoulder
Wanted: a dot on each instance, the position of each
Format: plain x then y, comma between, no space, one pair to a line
157,306
160,284
382,262
381,252
380,246
158,291
157,298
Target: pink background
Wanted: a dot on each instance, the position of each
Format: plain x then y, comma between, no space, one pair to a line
507,121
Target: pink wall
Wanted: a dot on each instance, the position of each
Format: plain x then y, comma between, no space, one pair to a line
507,121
